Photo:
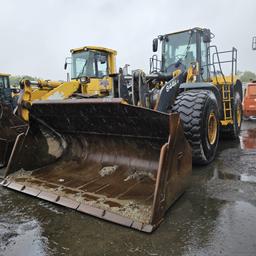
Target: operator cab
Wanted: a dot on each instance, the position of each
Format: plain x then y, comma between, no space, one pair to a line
89,63
93,66
5,90
180,49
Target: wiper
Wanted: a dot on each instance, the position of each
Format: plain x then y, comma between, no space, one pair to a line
82,71
188,45
183,56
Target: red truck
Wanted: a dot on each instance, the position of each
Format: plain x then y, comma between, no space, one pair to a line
249,104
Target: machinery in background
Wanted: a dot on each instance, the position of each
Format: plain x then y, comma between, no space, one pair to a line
93,72
12,128
249,103
5,90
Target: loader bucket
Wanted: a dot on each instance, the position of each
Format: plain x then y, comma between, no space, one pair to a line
118,162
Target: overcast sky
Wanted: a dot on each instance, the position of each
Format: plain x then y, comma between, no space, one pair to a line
36,36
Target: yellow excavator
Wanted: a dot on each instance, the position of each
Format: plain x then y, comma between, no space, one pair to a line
126,157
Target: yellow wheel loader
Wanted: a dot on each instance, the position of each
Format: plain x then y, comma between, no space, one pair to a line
194,85
91,69
92,75
12,128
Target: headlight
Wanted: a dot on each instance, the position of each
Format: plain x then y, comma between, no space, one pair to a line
84,79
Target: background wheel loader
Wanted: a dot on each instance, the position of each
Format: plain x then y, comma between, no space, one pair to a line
126,157
11,126
91,70
5,90
91,67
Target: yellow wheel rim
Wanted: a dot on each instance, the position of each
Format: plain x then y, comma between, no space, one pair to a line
212,128
238,115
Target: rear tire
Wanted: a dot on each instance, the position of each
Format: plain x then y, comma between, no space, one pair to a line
200,118
232,131
237,114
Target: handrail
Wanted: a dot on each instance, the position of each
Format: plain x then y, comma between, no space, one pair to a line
217,61
154,64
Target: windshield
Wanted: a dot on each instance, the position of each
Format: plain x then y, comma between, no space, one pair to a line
89,63
4,82
180,46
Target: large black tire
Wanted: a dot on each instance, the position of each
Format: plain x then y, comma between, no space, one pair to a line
197,108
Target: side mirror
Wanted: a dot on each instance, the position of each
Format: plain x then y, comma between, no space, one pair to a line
206,35
68,60
155,44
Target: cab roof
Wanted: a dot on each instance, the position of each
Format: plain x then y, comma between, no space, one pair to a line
4,74
96,48
186,30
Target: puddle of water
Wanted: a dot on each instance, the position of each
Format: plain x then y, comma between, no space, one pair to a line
200,223
248,138
232,176
230,234
22,239
248,178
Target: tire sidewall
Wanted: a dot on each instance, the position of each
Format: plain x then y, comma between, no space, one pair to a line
237,102
210,106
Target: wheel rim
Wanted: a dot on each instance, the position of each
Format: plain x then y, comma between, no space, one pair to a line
212,128
238,115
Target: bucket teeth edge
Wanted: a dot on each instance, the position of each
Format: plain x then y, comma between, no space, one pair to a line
81,207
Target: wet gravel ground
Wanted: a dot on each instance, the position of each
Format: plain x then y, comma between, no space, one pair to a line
216,216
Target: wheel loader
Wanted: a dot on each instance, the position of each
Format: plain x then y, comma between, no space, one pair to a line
5,89
91,70
127,157
189,80
11,126
91,66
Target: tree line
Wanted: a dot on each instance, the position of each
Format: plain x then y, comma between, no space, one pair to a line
247,76
15,80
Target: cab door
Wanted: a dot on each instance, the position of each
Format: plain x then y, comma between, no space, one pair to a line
102,83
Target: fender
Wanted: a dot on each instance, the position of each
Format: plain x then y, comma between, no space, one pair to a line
205,86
